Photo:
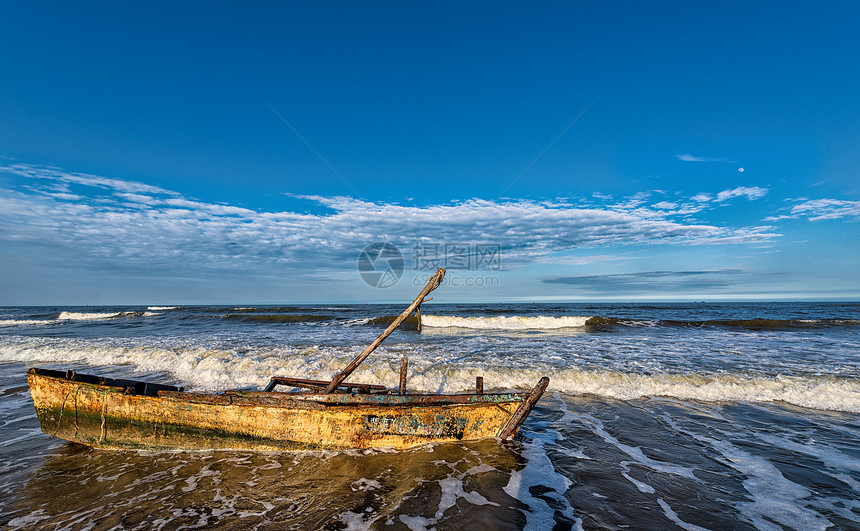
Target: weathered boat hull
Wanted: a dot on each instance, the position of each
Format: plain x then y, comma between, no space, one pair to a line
122,414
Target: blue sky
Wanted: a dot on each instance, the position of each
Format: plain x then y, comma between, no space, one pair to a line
153,153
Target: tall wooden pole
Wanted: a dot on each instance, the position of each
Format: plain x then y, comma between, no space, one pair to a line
434,282
403,364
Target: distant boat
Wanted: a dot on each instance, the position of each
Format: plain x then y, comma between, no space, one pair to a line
127,414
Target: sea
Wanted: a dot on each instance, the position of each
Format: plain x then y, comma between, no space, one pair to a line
688,416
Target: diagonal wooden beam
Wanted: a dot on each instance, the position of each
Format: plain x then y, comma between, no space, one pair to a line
434,282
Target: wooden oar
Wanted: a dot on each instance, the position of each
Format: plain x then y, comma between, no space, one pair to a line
434,282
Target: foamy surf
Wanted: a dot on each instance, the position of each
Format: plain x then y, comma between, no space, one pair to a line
218,369
814,392
517,322
651,409
25,322
87,316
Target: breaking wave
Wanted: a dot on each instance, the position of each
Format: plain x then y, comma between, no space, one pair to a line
204,368
543,322
497,320
516,322
815,392
25,322
89,316
64,317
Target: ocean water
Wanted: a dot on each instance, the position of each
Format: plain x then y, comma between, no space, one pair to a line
658,416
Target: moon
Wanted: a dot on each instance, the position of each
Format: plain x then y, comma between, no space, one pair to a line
741,170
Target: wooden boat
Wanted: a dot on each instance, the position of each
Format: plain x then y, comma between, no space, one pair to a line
117,414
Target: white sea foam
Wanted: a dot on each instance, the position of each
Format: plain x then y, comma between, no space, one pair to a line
86,316
206,368
161,308
72,316
517,322
25,322
673,516
596,426
816,392
808,391
453,489
29,520
365,484
200,367
540,472
836,463
774,498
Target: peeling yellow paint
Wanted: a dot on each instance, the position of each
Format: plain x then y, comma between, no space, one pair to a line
106,416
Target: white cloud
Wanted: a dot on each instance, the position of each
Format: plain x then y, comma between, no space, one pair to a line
821,209
35,172
686,157
127,224
632,202
138,198
750,192
586,260
65,196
